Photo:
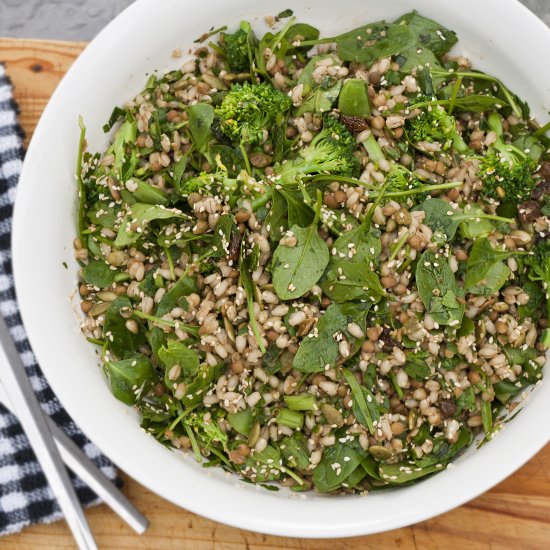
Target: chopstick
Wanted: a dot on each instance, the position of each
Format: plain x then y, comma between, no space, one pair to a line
86,470
33,422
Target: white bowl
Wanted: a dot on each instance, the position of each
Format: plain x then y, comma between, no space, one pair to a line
500,36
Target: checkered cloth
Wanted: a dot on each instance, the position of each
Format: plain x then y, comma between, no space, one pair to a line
25,497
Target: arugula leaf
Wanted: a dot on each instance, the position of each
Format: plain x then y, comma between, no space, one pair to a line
250,290
176,353
486,272
438,289
296,269
128,377
139,215
320,349
99,274
338,463
364,405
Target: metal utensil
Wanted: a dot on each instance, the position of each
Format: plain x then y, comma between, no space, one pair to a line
32,419
76,460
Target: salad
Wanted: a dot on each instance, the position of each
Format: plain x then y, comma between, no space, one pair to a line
319,262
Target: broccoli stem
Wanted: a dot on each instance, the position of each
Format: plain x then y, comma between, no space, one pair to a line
262,200
542,130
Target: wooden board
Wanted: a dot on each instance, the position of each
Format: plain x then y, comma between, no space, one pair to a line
515,514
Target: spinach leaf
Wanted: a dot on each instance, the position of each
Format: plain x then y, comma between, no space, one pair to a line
294,451
116,115
402,472
321,99
478,103
266,464
176,353
536,299
129,377
277,217
124,164
196,390
299,212
134,224
148,194
225,229
486,272
415,58
120,340
347,281
416,366
466,401
354,98
438,289
304,30
371,42
200,116
103,214
481,228
320,348
429,33
296,269
241,421
338,463
183,287
99,274
358,245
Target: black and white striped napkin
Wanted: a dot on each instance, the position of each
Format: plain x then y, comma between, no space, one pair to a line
25,497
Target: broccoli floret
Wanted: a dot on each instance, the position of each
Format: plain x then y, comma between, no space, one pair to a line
209,183
331,151
236,48
249,110
400,178
434,124
506,171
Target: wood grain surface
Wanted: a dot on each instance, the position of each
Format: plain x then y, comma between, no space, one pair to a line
513,515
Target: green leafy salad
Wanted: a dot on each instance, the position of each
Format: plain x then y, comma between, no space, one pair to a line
319,262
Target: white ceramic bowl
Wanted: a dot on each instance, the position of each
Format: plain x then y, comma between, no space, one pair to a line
500,36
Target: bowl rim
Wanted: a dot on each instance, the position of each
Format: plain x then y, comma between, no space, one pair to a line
250,520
